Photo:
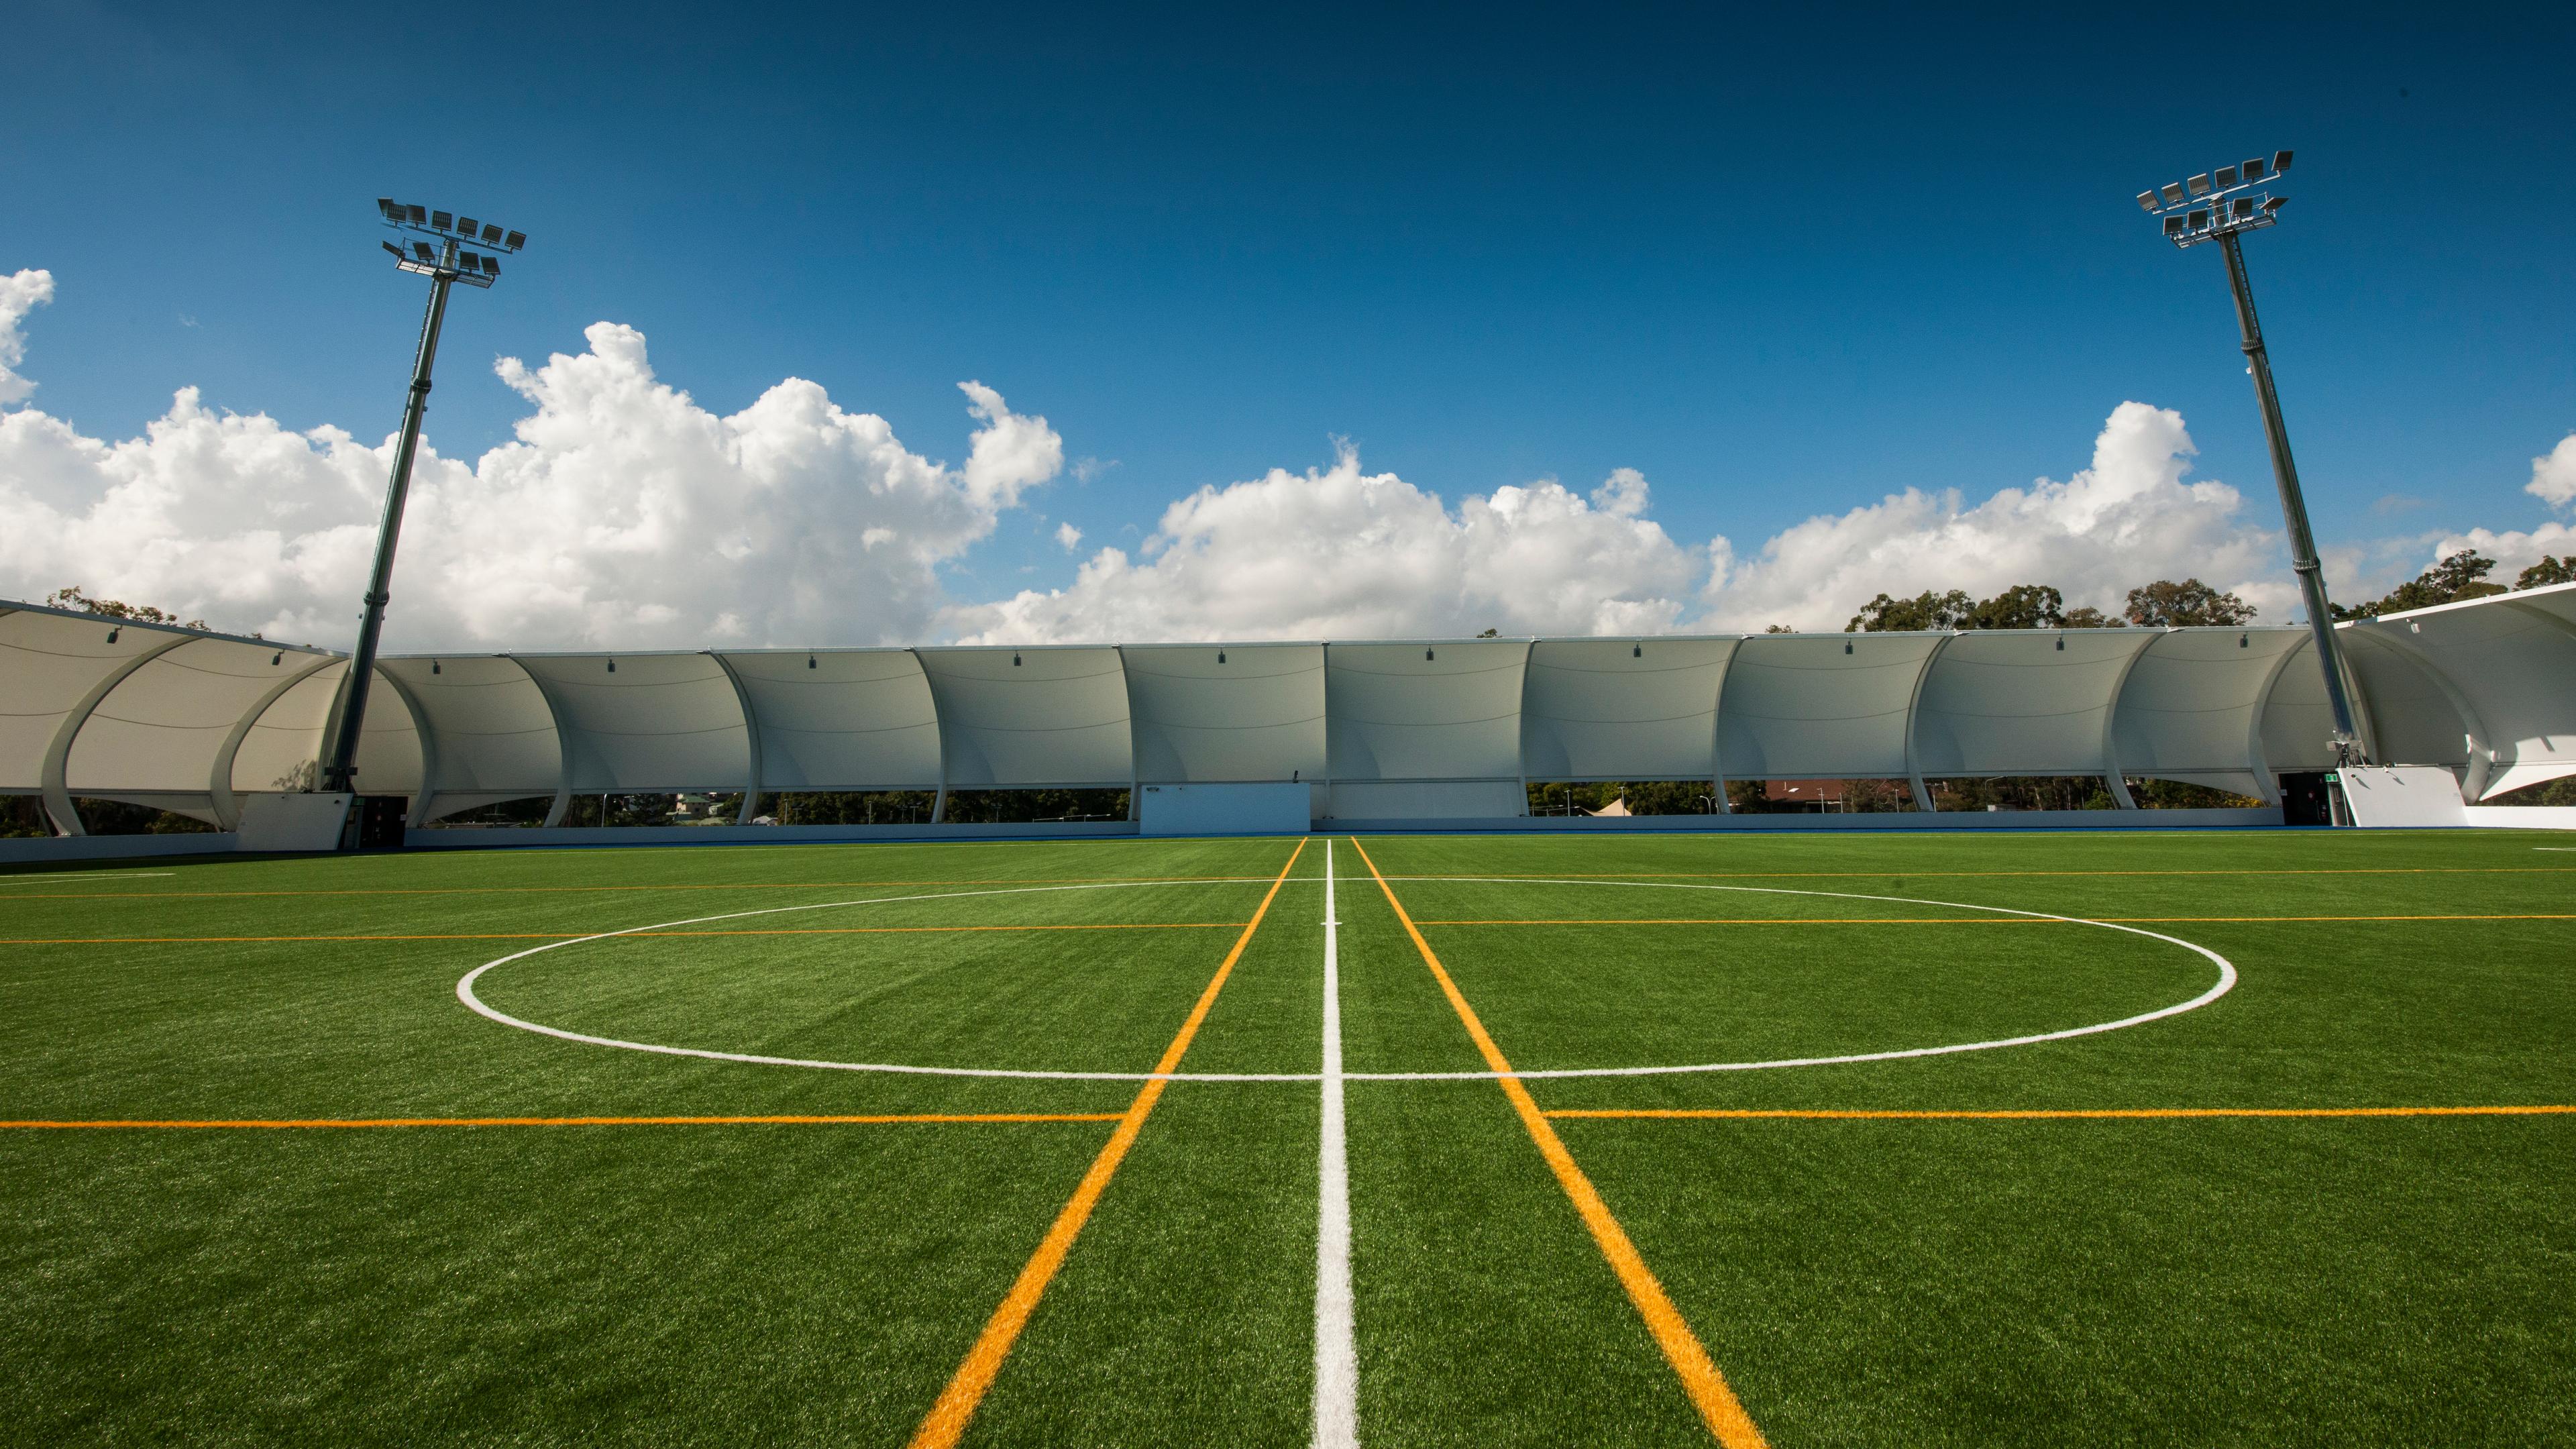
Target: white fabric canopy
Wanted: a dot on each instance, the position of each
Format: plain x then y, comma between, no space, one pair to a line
193,722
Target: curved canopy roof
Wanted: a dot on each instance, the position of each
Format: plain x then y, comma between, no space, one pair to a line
190,721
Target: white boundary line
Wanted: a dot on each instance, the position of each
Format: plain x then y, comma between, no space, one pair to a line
1337,1367
2226,983
476,1004
54,875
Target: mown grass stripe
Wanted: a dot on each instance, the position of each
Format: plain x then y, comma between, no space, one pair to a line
946,1422
1895,874
1956,920
1709,1392
2042,1114
643,935
870,1119
816,885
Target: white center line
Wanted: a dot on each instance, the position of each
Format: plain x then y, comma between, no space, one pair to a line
1337,1365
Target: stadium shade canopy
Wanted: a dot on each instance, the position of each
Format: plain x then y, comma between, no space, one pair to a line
193,722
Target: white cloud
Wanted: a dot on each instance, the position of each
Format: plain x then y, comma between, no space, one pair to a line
624,514
20,294
2513,550
1337,552
2553,474
2553,480
2127,520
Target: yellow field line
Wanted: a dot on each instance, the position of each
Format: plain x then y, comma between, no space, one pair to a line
1951,920
867,1120
1733,1114
1718,1407
644,935
947,1419
598,889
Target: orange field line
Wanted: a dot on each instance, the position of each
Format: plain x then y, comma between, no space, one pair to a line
1953,920
2042,1114
643,935
819,885
801,1121
947,1419
1709,1392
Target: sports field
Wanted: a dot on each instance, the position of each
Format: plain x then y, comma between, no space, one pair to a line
544,1146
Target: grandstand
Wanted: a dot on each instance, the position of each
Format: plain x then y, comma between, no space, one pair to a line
1211,737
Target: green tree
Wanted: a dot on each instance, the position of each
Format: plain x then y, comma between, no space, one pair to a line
73,598
2550,570
2087,617
1927,610
2457,576
2184,605
2023,606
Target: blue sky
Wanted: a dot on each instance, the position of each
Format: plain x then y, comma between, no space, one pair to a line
1781,265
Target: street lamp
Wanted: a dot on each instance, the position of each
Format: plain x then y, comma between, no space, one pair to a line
446,248
2219,206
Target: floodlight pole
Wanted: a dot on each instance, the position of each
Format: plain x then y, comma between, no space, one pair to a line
2294,507
340,772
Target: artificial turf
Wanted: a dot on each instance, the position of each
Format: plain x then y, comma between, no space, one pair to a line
1858,1281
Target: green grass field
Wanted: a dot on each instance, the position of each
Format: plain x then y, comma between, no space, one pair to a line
1965,1248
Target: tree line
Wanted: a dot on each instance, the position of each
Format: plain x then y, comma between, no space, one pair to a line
2188,604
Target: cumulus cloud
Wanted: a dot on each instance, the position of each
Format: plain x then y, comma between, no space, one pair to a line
623,514
2553,481
20,294
1342,553
2128,519
2553,474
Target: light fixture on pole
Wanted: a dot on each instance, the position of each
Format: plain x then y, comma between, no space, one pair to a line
446,248
2220,206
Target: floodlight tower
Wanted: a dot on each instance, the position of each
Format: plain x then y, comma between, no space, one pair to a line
441,248
2220,206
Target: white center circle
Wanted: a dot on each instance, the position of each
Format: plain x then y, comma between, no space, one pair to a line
2225,983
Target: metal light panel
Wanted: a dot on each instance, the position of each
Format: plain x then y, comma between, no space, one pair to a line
444,222
397,251
2173,193
2173,226
419,215
467,226
491,234
2226,177
2147,202
2280,162
2199,185
2272,204
2254,169
515,240
425,251
491,266
2199,220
